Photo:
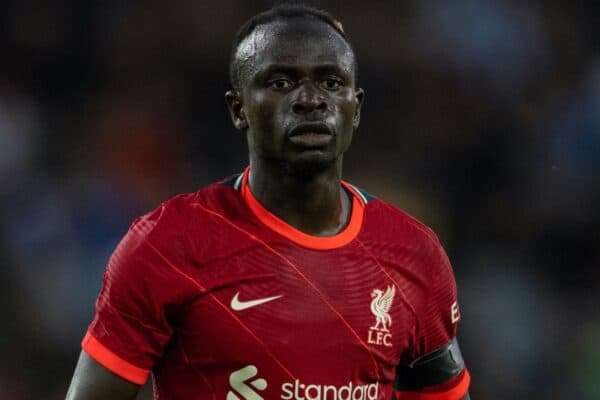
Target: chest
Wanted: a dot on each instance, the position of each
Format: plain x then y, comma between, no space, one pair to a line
306,310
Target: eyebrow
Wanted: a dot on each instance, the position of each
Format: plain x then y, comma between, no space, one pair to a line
282,68
294,70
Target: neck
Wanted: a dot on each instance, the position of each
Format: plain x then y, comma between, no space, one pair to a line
317,206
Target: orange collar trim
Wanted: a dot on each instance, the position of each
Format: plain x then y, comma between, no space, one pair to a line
313,242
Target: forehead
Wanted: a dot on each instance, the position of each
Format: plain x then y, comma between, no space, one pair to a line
301,42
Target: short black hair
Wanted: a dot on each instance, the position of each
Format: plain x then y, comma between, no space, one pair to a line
283,11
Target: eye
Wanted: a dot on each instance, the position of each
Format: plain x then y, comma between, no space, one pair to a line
332,83
280,84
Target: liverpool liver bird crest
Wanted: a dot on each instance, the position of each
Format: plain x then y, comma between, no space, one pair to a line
380,307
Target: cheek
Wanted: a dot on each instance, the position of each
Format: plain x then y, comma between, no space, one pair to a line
266,123
263,111
346,108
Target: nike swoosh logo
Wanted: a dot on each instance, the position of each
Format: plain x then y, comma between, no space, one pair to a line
238,305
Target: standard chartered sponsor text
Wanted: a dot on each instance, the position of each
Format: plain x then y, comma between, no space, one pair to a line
299,391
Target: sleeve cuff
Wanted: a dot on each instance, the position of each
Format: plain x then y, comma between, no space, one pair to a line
454,393
113,362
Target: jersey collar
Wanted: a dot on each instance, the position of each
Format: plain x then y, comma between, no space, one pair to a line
313,242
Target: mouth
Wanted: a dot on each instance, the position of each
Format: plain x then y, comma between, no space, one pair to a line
313,134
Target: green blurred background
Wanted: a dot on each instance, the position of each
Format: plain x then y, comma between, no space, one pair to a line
482,119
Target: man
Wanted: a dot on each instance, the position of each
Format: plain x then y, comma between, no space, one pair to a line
283,282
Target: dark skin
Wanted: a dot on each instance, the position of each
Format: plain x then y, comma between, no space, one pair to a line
298,105
293,82
91,381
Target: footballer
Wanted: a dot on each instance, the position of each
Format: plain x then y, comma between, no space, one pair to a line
284,281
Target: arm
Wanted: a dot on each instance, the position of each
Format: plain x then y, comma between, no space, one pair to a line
437,370
132,322
442,372
91,381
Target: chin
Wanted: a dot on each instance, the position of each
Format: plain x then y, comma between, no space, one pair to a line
307,168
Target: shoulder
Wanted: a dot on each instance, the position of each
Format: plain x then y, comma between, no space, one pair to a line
183,222
388,222
163,222
402,241
186,209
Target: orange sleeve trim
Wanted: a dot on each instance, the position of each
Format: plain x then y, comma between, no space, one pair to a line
113,362
456,393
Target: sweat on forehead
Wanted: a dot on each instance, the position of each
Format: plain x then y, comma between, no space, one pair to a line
281,38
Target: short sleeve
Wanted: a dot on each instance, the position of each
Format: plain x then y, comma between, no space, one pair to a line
134,311
440,315
435,370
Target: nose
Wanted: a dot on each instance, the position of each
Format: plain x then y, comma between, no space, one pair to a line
308,99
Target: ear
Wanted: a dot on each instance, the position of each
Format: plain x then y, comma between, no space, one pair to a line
360,97
236,109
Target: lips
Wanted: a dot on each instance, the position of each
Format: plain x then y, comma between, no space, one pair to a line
311,134
310,127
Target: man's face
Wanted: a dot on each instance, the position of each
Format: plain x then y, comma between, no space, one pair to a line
298,99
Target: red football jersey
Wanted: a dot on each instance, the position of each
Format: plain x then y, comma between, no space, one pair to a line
220,299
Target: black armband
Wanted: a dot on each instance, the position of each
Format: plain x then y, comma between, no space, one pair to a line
432,369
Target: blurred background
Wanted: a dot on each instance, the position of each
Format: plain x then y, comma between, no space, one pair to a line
482,119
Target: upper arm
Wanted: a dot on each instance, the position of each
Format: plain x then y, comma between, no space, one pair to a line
139,299
92,381
433,367
440,375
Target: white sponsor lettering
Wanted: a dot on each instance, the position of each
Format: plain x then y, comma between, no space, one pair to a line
454,312
244,387
301,391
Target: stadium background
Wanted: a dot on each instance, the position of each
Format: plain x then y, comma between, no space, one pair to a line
482,118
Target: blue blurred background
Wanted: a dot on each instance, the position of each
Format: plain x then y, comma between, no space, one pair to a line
482,118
